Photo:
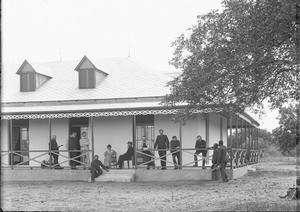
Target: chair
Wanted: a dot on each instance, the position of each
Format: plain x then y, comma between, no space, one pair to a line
128,162
114,162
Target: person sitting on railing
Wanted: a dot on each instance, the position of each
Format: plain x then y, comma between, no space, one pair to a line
95,167
146,149
54,149
175,146
127,156
162,143
200,144
215,156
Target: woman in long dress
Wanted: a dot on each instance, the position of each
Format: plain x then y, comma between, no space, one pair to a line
110,156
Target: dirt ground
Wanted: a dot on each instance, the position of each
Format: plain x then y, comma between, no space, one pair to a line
259,191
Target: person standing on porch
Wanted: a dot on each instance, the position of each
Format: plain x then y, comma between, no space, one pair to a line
162,143
84,147
175,146
127,156
54,149
146,149
222,160
200,144
73,146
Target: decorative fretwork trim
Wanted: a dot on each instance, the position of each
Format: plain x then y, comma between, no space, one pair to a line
105,113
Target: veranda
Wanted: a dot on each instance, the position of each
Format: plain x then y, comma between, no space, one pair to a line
238,131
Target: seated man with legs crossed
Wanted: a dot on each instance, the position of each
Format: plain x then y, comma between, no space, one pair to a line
127,156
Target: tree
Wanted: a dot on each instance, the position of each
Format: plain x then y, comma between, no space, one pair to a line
288,129
238,57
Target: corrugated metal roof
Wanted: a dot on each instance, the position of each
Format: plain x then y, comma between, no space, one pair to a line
127,78
80,107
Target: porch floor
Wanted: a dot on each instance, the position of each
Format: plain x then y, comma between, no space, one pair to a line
116,175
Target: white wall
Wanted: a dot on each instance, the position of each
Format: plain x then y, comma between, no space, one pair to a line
214,129
60,128
116,131
4,141
38,139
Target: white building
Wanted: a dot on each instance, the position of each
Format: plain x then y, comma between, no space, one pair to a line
114,100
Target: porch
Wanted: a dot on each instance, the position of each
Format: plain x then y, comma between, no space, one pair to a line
116,175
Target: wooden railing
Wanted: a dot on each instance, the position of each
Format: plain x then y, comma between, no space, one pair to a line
48,163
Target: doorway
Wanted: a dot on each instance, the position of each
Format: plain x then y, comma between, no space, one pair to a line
20,142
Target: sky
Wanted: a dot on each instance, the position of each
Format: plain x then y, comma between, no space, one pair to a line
53,30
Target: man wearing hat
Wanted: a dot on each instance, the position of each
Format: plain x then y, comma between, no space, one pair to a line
127,156
162,142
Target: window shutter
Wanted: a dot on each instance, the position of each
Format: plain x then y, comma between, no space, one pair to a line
28,82
24,82
82,79
91,78
31,82
86,78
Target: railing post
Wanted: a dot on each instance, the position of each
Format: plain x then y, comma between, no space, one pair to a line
257,144
230,124
11,145
134,139
50,156
180,146
93,145
236,131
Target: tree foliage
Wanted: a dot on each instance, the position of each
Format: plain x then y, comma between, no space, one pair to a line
288,130
238,57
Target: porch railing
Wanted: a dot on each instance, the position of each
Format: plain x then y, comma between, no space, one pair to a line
238,157
43,163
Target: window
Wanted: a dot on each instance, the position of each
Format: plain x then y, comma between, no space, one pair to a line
20,141
27,82
87,78
145,127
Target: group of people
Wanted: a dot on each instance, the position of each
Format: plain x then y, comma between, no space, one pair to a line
161,144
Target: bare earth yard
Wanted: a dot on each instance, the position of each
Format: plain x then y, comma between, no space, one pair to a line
259,191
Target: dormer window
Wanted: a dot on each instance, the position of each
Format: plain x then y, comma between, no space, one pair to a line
88,74
27,82
30,79
87,78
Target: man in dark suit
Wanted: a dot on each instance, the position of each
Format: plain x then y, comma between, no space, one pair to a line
54,149
127,156
222,151
200,144
73,146
175,146
162,142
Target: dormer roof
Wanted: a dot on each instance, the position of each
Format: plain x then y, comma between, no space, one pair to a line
86,63
26,67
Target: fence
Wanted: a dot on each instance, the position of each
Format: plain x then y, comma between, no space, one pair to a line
38,154
238,158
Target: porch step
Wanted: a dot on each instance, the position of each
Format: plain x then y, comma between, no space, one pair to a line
116,176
